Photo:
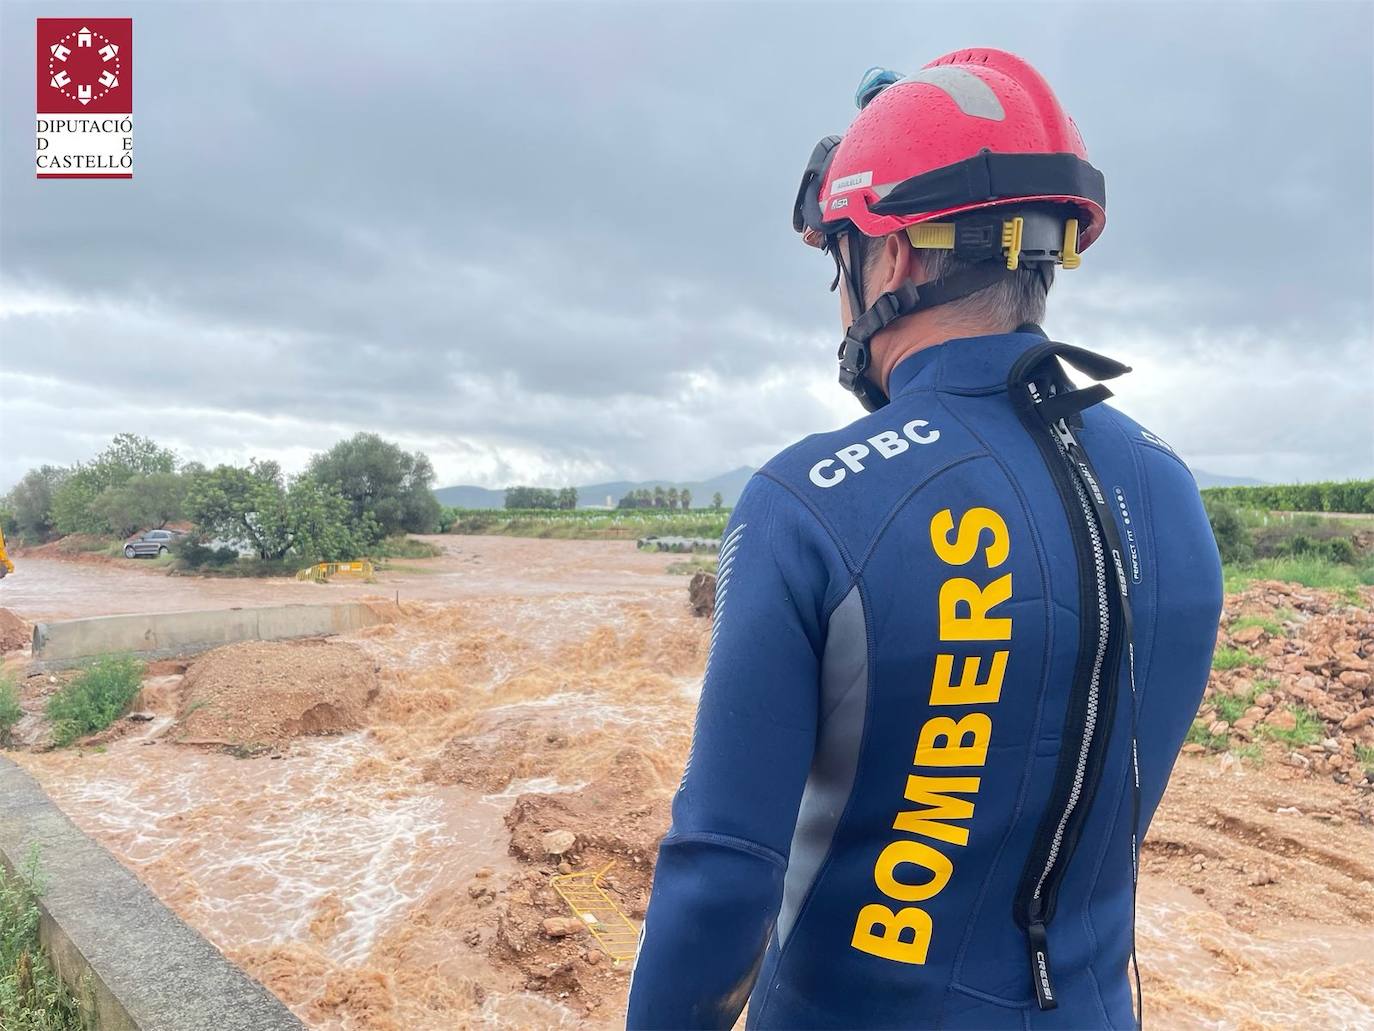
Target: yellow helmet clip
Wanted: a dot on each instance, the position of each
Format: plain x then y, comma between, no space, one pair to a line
1011,240
1068,253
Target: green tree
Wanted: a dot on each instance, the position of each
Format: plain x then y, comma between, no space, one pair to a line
660,498
247,505
717,501
672,497
30,502
379,480
685,497
140,502
540,497
310,519
128,455
321,524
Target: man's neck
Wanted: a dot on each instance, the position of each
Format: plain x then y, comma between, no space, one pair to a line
919,331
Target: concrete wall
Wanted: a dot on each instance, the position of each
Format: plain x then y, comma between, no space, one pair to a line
164,634
119,949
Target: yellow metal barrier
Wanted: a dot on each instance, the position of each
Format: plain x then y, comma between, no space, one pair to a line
611,928
322,572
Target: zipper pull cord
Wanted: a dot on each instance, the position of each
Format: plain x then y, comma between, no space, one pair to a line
1040,965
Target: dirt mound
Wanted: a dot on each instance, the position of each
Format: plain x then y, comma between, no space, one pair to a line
1294,680
79,547
15,633
630,788
618,818
263,693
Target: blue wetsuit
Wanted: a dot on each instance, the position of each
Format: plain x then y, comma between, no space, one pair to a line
910,797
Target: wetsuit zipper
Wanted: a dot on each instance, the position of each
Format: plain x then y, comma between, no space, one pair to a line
1094,690
1089,717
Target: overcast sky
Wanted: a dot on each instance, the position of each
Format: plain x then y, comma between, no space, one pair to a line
551,244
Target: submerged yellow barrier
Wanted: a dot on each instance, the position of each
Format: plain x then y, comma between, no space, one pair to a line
322,572
611,928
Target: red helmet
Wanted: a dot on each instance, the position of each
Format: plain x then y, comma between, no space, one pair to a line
973,130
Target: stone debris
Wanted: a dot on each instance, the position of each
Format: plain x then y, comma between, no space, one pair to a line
1307,658
563,926
559,841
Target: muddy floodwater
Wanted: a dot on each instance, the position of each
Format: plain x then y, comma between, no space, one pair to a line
395,874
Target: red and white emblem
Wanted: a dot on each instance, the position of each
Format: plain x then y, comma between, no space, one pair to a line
85,98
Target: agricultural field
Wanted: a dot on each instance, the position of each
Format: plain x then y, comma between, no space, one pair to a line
1355,497
590,524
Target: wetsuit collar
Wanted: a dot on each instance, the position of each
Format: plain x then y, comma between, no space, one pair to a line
964,365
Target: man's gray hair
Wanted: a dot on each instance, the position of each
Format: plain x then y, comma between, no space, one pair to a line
1000,307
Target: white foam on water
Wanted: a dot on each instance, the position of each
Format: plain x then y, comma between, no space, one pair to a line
273,838
533,786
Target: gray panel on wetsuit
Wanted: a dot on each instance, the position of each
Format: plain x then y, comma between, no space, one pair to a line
844,701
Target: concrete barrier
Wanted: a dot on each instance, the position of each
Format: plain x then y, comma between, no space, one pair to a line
128,957
167,634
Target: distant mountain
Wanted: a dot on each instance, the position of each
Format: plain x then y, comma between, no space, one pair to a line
1206,479
595,494
471,497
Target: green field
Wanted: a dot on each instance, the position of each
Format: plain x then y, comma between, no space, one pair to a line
590,524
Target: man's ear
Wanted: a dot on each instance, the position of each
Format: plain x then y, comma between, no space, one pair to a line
901,262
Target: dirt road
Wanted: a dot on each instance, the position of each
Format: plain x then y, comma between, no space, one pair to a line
397,876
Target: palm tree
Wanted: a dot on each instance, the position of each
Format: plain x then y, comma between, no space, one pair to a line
685,496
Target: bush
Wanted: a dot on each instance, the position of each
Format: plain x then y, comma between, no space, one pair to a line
405,547
1301,544
1342,550
194,553
95,699
1233,537
10,712
31,996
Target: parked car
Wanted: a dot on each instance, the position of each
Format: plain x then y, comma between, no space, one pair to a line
151,544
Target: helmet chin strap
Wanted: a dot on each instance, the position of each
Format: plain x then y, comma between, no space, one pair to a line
855,354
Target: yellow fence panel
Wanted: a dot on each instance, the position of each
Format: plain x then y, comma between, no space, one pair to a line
323,572
612,929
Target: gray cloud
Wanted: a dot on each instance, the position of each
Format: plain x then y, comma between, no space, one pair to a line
552,241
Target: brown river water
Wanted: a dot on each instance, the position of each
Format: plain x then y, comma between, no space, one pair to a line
345,871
